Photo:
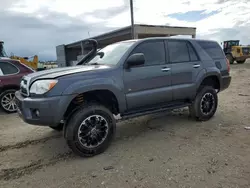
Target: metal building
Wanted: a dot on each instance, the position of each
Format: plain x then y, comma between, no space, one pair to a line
68,54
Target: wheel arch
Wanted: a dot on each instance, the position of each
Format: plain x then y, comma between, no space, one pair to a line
99,84
7,87
102,96
212,79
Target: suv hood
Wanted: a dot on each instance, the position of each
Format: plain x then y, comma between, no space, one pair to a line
58,72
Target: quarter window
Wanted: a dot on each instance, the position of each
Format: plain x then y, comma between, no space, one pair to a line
154,52
213,49
7,68
178,51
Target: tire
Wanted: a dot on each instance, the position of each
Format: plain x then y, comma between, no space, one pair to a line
241,62
230,58
59,127
7,101
198,109
103,130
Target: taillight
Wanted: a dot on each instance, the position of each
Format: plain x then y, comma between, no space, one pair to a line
228,65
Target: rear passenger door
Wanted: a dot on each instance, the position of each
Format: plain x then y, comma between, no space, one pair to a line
149,84
185,66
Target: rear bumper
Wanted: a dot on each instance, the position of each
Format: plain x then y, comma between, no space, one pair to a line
225,82
49,109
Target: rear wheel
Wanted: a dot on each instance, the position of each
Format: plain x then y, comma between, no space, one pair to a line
7,101
230,58
90,130
241,62
205,104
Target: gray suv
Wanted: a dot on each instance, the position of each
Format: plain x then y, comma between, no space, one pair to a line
130,78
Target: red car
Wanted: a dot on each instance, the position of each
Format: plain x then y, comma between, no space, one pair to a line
11,72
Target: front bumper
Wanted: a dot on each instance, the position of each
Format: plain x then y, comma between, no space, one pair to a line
40,111
225,82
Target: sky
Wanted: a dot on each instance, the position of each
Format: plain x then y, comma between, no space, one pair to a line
30,27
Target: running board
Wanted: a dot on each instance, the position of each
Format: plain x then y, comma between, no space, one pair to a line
152,111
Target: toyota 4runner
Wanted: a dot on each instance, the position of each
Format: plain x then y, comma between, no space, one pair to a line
130,78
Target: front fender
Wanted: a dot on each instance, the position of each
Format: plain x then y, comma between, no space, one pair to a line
83,86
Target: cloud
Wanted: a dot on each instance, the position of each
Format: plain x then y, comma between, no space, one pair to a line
27,34
217,19
36,27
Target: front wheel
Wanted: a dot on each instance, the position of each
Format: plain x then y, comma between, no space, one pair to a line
230,58
7,101
90,130
205,104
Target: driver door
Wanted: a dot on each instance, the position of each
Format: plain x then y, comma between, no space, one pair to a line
149,84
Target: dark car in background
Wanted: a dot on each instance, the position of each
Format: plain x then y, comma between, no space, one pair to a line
11,72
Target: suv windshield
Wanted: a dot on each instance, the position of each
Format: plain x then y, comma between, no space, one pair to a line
111,54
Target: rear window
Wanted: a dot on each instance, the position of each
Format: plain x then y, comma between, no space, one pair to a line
7,68
213,49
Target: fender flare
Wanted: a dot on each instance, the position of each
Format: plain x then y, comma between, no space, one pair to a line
204,74
83,86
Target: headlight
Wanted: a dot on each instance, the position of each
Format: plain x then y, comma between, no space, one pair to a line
42,86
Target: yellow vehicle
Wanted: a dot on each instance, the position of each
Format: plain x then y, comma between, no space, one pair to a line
236,52
25,60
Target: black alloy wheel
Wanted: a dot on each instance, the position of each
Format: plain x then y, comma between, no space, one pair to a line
90,130
205,104
93,131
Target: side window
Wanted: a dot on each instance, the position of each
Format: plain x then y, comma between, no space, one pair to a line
213,49
154,52
193,55
178,51
7,68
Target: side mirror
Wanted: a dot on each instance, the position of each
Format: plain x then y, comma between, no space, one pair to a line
135,60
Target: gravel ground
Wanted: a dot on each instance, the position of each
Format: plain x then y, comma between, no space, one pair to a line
163,150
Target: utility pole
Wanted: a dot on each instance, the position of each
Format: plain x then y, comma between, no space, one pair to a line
132,19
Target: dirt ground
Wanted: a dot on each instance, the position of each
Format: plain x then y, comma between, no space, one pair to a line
163,150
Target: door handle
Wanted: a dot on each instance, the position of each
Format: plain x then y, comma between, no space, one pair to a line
165,69
196,66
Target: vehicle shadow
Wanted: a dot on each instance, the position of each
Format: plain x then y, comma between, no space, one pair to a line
2,113
161,122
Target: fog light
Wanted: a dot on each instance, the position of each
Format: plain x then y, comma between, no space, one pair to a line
37,113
